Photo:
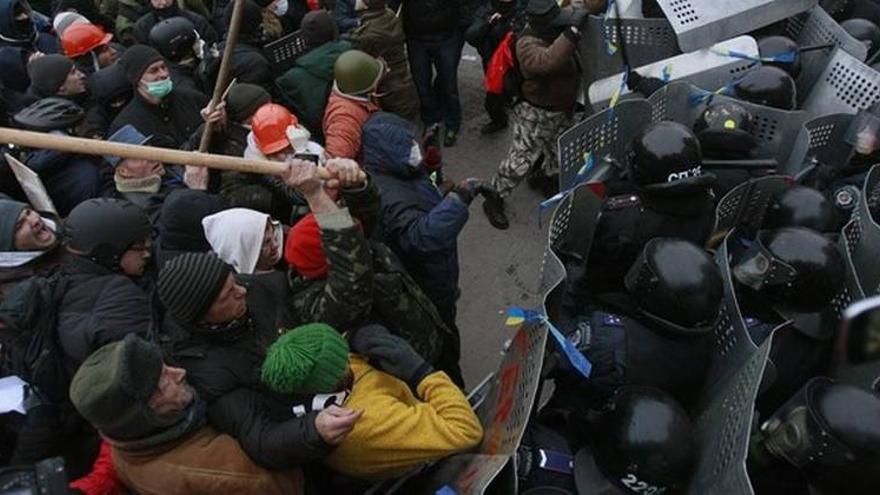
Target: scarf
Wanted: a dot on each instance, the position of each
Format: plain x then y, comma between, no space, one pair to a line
190,421
149,184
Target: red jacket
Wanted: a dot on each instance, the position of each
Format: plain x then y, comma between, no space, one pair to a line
343,122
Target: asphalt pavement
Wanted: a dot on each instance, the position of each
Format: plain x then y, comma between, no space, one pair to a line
499,269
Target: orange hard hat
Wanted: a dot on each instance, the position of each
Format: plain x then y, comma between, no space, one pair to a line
79,39
270,123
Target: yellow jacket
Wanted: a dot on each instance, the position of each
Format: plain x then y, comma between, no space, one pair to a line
398,431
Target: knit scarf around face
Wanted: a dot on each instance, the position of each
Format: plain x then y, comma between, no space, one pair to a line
149,184
227,332
190,421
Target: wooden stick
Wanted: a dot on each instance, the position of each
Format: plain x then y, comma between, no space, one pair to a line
223,72
84,146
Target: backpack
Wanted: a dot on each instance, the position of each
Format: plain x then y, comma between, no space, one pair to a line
503,75
29,345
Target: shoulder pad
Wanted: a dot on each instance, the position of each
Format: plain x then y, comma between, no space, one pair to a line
622,202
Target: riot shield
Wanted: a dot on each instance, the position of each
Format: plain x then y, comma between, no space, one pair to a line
845,86
708,68
820,139
864,236
743,207
629,9
603,134
819,28
701,23
645,40
774,129
284,51
504,414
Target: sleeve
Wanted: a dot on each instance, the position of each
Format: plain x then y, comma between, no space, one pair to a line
364,204
347,293
346,18
538,60
43,160
122,308
270,444
438,229
444,424
102,480
342,134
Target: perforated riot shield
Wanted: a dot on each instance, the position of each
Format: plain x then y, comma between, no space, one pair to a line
709,69
857,351
864,236
645,40
284,51
845,86
775,129
701,23
814,29
743,207
603,134
820,139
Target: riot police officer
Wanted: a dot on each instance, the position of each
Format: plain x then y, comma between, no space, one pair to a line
665,194
768,86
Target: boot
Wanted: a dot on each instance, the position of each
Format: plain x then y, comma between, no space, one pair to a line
493,207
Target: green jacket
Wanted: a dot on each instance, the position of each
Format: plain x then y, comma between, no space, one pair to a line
306,86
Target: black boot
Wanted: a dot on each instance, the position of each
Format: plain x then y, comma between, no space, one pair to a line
493,207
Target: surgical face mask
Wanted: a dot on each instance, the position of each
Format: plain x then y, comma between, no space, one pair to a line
415,155
159,89
279,8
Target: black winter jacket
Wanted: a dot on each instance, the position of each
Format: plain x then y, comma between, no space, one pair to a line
430,19
171,122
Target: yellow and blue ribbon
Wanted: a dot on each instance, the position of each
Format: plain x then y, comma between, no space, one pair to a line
610,46
581,176
517,316
785,57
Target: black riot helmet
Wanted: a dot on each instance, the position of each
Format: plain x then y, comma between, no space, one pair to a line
768,86
865,31
676,285
831,431
50,114
724,129
644,443
793,269
782,52
666,155
174,38
103,229
800,206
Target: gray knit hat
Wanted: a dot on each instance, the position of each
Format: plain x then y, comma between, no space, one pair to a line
244,99
48,73
9,212
190,283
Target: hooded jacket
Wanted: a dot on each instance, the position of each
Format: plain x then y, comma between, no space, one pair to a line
381,35
35,37
306,86
236,235
418,223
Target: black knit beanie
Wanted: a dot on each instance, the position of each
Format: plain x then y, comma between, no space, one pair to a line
48,73
135,60
318,27
113,386
251,19
190,283
9,212
244,99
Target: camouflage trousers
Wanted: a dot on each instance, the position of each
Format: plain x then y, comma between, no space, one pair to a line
534,133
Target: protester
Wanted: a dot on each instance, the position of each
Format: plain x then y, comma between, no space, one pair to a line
180,223
380,34
89,46
357,77
54,75
248,64
546,55
178,41
411,414
168,114
248,240
156,424
21,27
29,242
166,9
306,86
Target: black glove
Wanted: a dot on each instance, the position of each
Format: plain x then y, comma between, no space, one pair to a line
467,189
391,354
646,86
579,18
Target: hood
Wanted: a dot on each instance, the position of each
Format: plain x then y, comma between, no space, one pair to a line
236,235
9,34
388,140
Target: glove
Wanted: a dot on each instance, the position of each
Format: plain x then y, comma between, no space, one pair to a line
467,189
644,85
391,354
579,18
